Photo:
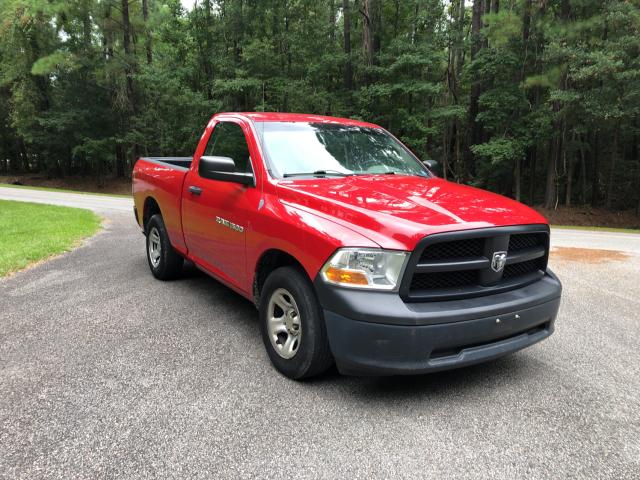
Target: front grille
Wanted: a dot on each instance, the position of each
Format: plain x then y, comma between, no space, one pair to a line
423,281
455,249
459,264
516,270
522,241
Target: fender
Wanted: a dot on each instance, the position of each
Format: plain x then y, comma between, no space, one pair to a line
309,238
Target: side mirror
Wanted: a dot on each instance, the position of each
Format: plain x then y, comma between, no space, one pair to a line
223,169
432,165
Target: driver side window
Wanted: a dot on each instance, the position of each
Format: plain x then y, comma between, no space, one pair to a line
228,140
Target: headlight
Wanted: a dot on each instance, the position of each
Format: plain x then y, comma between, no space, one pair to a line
365,268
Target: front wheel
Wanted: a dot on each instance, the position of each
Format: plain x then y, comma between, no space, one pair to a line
165,263
292,325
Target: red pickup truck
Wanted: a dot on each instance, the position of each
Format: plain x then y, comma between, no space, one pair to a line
352,250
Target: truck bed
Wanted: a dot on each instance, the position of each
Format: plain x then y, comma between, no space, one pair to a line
174,162
161,179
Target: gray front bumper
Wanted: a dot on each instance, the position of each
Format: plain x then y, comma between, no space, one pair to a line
369,334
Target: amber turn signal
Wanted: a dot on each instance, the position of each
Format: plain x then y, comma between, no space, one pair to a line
343,275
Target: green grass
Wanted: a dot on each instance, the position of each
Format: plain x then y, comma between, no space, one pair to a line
600,229
49,189
30,232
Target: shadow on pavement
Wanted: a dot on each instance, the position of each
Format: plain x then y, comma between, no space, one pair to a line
486,376
514,368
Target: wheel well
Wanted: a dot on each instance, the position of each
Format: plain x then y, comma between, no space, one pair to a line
151,207
269,261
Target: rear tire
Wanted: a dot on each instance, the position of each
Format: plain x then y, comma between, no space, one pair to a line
292,325
165,263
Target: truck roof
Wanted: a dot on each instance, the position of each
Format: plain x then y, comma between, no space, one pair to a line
299,117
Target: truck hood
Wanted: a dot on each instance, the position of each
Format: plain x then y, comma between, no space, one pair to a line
396,211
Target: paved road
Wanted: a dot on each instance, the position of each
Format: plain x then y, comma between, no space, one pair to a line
624,242
106,372
104,204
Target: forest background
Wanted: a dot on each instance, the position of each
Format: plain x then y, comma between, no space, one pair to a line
535,99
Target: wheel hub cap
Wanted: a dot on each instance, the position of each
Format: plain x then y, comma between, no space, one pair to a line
283,323
155,247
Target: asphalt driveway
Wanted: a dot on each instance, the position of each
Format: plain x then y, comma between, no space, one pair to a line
106,372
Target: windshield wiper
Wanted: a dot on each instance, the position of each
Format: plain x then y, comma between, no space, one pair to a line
318,173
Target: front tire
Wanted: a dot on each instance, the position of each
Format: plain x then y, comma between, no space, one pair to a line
165,263
292,325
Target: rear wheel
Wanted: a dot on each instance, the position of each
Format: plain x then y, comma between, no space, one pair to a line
292,325
165,263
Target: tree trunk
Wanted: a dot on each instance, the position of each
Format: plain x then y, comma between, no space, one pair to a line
532,180
459,158
551,189
129,71
332,21
487,10
109,37
120,160
239,30
583,176
348,69
569,191
526,25
526,22
635,148
516,178
126,43
414,26
595,185
565,9
370,32
396,17
551,193
475,132
476,25
456,52
612,168
460,37
446,151
147,30
26,167
86,27
454,65
287,56
207,60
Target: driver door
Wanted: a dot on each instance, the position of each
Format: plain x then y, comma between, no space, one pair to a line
215,212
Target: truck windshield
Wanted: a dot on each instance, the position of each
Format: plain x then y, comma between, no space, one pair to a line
324,149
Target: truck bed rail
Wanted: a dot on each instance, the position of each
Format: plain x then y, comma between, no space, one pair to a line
175,162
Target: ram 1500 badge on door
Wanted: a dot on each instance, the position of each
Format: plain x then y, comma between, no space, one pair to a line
351,249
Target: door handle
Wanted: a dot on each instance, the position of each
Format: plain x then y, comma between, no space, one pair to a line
195,190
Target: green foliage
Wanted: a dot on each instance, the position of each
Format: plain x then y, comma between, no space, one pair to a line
51,64
502,28
499,150
556,83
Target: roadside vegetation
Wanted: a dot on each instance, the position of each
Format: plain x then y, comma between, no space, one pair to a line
591,218
32,232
